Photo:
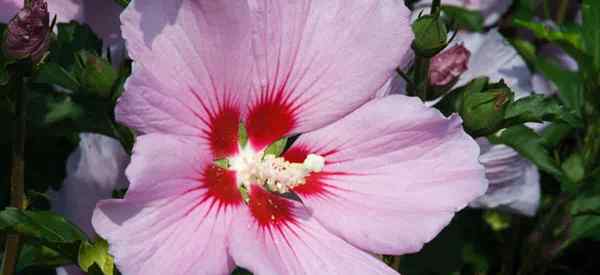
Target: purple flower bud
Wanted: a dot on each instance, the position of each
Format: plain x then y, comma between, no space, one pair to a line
28,32
447,66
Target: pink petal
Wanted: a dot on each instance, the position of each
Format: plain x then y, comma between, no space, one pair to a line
297,245
395,173
192,63
165,165
174,235
319,60
94,170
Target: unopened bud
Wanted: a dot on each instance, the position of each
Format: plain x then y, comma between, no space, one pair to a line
28,32
430,35
446,67
98,75
483,113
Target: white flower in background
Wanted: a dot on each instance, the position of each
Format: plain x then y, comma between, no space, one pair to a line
491,10
94,170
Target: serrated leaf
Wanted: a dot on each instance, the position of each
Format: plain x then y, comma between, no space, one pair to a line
52,73
538,108
96,254
528,144
43,225
276,148
463,18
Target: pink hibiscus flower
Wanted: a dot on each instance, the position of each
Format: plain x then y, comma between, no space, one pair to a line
382,177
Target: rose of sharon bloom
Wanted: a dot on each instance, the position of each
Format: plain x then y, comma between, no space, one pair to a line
448,65
94,170
514,181
491,10
101,15
382,177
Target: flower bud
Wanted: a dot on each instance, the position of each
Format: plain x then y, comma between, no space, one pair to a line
28,32
430,35
446,67
483,113
98,75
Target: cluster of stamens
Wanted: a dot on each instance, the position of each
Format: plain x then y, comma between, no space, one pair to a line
272,172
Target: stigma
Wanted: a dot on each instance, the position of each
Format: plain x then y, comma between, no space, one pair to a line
272,172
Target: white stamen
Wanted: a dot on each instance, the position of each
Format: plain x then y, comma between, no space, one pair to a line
272,172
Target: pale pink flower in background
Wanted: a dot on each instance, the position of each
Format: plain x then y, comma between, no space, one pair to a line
491,10
380,177
94,170
101,15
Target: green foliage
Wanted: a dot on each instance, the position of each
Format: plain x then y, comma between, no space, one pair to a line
52,73
530,145
37,255
463,18
430,35
42,225
96,254
539,108
586,218
591,31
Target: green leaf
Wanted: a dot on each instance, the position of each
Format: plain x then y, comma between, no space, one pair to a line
52,73
64,109
591,30
276,148
530,145
538,108
586,218
35,255
96,254
570,37
43,225
554,133
72,38
465,19
570,85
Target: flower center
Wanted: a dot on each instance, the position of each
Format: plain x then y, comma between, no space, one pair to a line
273,173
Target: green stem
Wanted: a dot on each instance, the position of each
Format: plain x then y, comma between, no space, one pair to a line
562,11
17,181
422,77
